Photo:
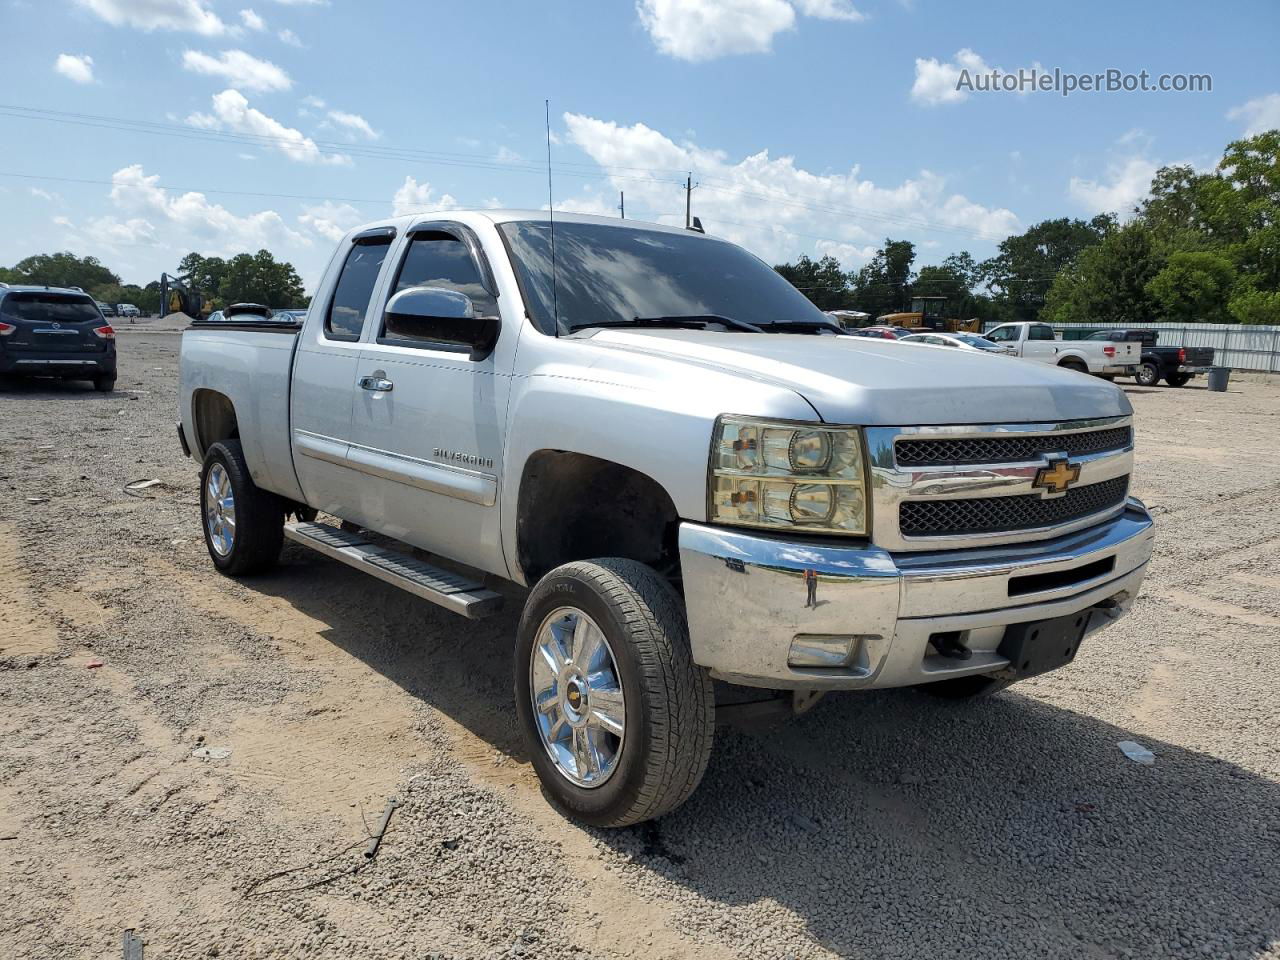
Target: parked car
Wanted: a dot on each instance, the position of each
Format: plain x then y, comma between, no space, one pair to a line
216,317
1176,365
1037,341
963,341
106,309
547,422
129,310
293,313
881,333
56,332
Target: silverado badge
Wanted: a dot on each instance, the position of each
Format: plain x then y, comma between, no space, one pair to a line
1057,477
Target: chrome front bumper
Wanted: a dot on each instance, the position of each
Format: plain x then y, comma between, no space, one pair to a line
748,598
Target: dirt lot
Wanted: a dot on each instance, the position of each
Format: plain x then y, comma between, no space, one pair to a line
879,825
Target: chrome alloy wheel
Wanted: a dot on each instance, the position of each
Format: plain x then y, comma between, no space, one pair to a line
577,694
220,510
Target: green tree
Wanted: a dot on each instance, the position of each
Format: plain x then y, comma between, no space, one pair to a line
1025,267
203,273
822,281
1256,306
260,278
1193,287
883,285
1107,283
62,270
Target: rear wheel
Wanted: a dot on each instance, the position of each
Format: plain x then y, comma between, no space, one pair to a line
1075,365
1177,379
104,384
617,717
1147,374
243,525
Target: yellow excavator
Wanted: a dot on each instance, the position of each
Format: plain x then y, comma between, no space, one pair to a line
929,313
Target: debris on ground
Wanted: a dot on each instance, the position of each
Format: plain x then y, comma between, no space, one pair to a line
94,664
211,753
1137,752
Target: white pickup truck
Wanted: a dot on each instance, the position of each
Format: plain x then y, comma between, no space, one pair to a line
681,464
1037,341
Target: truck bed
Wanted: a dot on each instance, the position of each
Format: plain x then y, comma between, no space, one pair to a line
250,362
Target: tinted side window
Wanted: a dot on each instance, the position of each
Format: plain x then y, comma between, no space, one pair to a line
1041,332
1003,334
438,260
354,290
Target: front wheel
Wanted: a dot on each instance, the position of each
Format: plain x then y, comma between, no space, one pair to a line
617,718
1177,379
243,525
1147,375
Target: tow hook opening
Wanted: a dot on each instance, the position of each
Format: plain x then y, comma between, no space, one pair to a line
951,644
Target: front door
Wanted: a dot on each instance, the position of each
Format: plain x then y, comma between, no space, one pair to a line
428,421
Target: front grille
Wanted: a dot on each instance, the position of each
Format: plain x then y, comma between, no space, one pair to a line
952,518
1008,448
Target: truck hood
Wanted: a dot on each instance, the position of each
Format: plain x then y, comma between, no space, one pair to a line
857,380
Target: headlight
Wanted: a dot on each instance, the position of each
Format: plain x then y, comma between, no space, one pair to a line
771,474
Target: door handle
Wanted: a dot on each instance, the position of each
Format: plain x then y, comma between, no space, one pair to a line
377,384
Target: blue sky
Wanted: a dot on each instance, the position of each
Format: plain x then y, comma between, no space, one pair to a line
812,126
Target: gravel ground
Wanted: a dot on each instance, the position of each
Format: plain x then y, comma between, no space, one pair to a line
878,825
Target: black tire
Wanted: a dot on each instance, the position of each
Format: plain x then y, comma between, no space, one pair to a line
1177,379
670,705
1147,374
259,515
1075,365
965,688
104,384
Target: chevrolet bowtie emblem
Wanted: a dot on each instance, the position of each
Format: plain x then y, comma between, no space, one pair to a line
1056,477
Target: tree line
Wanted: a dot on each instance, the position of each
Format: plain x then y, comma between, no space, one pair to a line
244,278
1203,247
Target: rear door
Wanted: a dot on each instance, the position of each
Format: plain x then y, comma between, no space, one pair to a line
428,426
324,376
49,325
1041,344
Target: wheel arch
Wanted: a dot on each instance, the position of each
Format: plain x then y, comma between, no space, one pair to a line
213,416
574,506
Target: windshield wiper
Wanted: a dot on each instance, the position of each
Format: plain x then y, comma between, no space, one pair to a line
801,326
696,321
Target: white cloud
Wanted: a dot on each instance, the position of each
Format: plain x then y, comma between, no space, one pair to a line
303,3
415,197
313,101
188,15
936,81
239,70
190,218
1127,180
507,155
353,122
589,201
331,220
1259,115
75,69
290,38
830,10
231,111
45,195
706,29
252,20
776,208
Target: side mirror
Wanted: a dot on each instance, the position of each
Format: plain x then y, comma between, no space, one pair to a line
440,315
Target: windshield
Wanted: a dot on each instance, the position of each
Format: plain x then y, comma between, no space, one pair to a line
979,342
608,274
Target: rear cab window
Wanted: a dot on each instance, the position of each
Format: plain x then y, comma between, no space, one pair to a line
345,317
1040,331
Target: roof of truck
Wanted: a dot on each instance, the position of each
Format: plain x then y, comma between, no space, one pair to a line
508,216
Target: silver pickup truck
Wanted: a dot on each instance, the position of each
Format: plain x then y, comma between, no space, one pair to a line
692,473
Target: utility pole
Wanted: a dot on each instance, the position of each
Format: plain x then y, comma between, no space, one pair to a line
622,204
688,201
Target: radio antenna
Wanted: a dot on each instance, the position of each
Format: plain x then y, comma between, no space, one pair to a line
555,302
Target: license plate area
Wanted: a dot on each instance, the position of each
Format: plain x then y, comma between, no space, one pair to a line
1043,645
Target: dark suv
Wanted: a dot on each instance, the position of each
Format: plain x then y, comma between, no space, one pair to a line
56,332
